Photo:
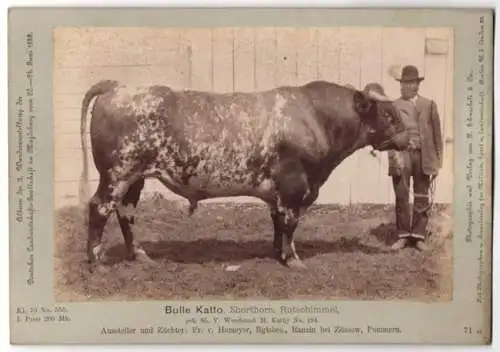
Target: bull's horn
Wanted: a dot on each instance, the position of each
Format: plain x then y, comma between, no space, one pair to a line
377,96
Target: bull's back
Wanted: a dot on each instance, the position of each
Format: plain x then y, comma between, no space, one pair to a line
210,117
222,139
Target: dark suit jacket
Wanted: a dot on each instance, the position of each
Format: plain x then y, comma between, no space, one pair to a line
431,139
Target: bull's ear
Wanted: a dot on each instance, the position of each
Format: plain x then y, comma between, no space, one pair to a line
362,104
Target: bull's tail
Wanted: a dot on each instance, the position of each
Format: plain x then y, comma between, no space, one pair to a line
99,88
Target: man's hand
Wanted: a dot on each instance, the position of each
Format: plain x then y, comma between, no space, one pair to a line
411,145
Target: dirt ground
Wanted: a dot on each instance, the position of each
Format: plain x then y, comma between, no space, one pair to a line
346,250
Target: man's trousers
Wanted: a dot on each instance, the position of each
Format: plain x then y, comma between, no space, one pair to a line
412,226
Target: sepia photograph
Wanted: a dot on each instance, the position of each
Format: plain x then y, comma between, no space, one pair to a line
253,163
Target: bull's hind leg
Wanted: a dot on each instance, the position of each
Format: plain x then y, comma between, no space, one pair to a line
126,218
103,203
97,219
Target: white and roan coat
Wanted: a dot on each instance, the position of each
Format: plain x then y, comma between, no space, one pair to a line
279,145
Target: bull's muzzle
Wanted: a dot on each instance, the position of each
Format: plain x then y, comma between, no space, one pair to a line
401,140
398,141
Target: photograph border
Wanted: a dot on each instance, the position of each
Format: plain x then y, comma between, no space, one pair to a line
465,320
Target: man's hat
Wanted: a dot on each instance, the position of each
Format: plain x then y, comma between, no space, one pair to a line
410,73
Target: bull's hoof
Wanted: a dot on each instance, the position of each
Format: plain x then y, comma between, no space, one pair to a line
130,257
277,256
295,263
138,255
142,257
291,262
95,255
192,207
145,259
93,266
139,258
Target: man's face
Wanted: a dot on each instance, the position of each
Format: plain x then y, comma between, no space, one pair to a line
409,89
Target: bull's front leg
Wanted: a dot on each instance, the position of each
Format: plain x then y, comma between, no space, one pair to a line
278,230
287,221
292,194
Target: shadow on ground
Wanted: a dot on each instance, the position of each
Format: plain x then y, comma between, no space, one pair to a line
214,250
385,233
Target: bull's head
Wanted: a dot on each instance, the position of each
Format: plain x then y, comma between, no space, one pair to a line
384,127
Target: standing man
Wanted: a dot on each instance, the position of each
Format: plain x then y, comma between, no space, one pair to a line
421,161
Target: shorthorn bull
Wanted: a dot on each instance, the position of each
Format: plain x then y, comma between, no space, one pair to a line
278,145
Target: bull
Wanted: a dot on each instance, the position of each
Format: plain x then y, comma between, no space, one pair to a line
278,145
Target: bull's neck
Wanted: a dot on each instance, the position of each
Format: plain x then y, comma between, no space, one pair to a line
343,126
335,160
341,151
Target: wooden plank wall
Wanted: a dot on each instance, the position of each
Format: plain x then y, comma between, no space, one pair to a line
248,59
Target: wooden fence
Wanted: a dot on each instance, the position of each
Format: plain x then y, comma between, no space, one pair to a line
248,59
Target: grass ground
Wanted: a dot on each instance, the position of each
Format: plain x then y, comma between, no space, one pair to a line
346,250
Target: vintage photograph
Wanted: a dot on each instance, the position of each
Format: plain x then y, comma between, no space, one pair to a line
263,163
